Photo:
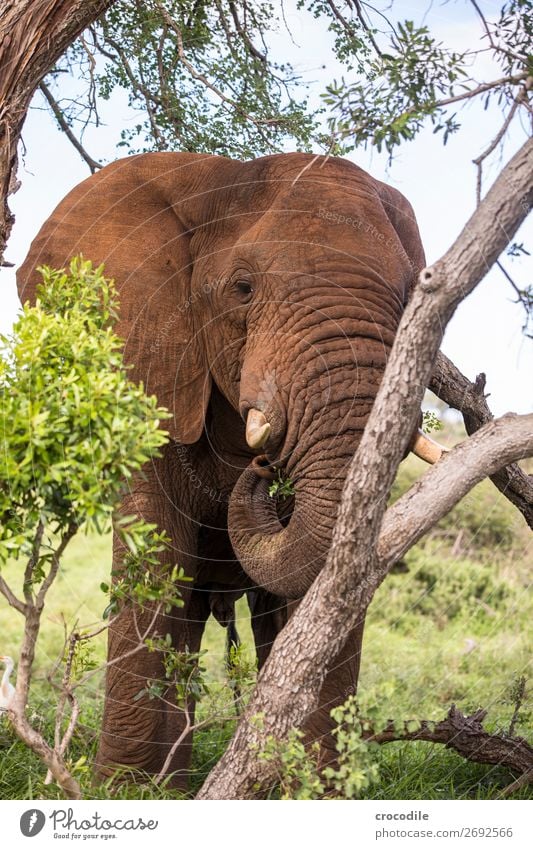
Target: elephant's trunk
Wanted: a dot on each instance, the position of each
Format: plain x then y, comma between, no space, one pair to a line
286,560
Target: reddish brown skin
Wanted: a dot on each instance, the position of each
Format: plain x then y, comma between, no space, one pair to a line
181,233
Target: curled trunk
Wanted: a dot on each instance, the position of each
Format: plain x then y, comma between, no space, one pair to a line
286,560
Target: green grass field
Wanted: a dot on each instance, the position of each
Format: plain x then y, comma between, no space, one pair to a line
454,628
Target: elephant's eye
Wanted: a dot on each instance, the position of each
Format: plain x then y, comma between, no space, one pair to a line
244,290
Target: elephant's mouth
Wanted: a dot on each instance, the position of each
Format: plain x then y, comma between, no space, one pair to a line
264,468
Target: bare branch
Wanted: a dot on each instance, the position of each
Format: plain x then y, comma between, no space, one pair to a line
56,562
466,735
11,598
521,98
61,743
458,392
496,47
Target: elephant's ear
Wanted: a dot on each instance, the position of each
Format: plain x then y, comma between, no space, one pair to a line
124,218
402,217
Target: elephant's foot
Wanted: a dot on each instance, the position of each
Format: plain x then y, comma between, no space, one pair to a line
142,759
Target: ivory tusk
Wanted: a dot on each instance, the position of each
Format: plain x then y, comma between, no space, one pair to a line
426,448
257,429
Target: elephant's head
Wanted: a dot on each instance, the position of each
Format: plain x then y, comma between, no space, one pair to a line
282,280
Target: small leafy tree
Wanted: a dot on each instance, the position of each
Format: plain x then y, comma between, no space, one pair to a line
74,429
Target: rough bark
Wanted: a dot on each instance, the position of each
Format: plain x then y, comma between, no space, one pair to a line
466,735
458,392
33,35
290,681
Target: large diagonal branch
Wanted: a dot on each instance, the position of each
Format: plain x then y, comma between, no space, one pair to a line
33,35
458,392
289,685
496,444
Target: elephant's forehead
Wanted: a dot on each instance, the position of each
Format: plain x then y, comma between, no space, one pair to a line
320,236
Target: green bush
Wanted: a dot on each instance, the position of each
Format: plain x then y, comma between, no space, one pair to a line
487,520
443,588
73,425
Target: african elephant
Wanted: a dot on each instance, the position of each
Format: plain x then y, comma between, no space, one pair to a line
259,301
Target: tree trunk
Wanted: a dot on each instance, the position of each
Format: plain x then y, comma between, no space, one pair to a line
33,35
290,681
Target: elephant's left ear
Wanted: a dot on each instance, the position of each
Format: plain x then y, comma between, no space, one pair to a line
136,217
402,217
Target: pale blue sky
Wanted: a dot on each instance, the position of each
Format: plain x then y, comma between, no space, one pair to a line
484,335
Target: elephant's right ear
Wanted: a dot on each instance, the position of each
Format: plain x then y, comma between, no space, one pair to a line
124,218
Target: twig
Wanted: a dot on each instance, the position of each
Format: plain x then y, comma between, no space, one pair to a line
257,122
520,693
494,46
347,26
520,99
244,35
120,658
61,120
189,726
61,743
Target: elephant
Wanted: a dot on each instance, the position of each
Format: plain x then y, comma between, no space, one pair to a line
259,301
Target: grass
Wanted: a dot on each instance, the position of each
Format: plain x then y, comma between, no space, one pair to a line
454,628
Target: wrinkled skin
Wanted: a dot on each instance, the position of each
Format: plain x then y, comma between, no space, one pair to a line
242,285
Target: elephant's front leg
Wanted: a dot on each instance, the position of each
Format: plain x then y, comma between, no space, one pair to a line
138,733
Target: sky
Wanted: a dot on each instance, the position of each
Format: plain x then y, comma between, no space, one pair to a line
485,333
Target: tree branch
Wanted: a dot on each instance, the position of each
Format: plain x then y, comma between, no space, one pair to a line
32,563
61,120
465,735
521,98
458,392
54,567
257,122
244,35
11,598
495,445
512,79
